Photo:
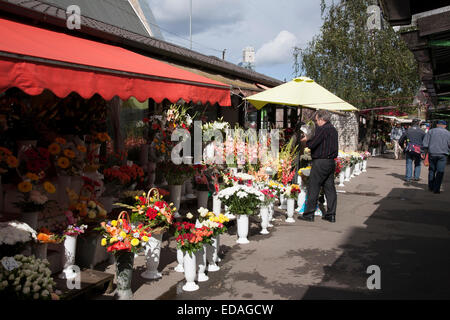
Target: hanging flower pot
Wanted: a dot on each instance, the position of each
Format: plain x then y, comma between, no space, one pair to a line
341,178
124,275
152,254
180,255
290,210
70,249
200,257
264,211
202,199
190,268
212,254
242,228
175,197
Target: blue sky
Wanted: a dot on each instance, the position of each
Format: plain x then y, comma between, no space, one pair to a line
273,28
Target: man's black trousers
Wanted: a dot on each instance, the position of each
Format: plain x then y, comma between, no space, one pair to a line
322,175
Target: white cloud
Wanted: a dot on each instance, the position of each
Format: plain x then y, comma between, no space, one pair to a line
278,50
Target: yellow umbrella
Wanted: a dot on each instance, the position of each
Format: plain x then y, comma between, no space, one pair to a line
301,92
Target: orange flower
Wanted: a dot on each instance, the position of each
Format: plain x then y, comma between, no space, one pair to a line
82,149
12,162
63,162
54,149
69,153
25,186
32,176
60,141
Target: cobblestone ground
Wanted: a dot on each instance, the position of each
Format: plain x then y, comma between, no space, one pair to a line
402,229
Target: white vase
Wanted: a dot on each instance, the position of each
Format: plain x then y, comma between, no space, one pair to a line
202,199
341,178
364,166
175,197
212,254
357,169
283,202
200,257
152,254
70,246
271,218
228,214
301,198
190,268
348,173
189,189
30,218
217,205
374,152
242,228
180,255
64,182
264,211
290,210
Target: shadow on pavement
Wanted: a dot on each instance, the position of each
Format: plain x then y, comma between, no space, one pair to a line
408,238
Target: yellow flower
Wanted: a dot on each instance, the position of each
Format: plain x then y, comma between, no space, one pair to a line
114,223
12,161
112,240
123,234
103,242
69,153
49,187
63,162
145,238
32,176
25,186
54,149
82,149
60,140
134,242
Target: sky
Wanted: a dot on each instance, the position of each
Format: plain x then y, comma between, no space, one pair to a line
271,27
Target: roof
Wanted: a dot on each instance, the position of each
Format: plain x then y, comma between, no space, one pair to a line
55,17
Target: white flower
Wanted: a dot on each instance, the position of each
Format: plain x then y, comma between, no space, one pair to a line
38,197
26,290
203,212
18,288
189,215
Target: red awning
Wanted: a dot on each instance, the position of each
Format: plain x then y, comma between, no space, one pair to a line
34,59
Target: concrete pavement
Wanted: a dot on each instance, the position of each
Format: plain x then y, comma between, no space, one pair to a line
403,229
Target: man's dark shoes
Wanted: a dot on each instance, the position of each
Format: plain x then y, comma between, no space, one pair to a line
329,217
309,217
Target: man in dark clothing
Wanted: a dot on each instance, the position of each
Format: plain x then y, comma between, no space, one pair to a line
437,144
414,137
324,149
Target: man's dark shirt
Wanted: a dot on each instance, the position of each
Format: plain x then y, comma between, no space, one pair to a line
415,136
324,144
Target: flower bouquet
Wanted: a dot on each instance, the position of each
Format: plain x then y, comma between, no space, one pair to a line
14,236
7,161
34,160
193,240
241,199
26,278
68,157
200,179
213,222
269,196
339,166
84,206
292,191
304,174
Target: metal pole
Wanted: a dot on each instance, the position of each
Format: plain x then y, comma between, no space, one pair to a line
190,25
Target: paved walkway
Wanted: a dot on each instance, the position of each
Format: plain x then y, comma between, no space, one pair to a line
403,229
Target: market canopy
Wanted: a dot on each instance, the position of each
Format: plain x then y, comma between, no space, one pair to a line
34,59
301,92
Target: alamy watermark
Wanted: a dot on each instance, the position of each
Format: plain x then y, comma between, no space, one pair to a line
374,281
73,17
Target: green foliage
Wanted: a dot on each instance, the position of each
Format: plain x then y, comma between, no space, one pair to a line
355,63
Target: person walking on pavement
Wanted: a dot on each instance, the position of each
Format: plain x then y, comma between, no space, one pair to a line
437,144
413,149
324,149
396,134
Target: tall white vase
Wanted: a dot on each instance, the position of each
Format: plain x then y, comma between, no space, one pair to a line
70,246
190,268
264,211
200,257
290,210
180,255
202,199
242,228
283,202
271,218
217,204
175,197
341,178
364,166
348,172
212,254
152,254
374,152
357,169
